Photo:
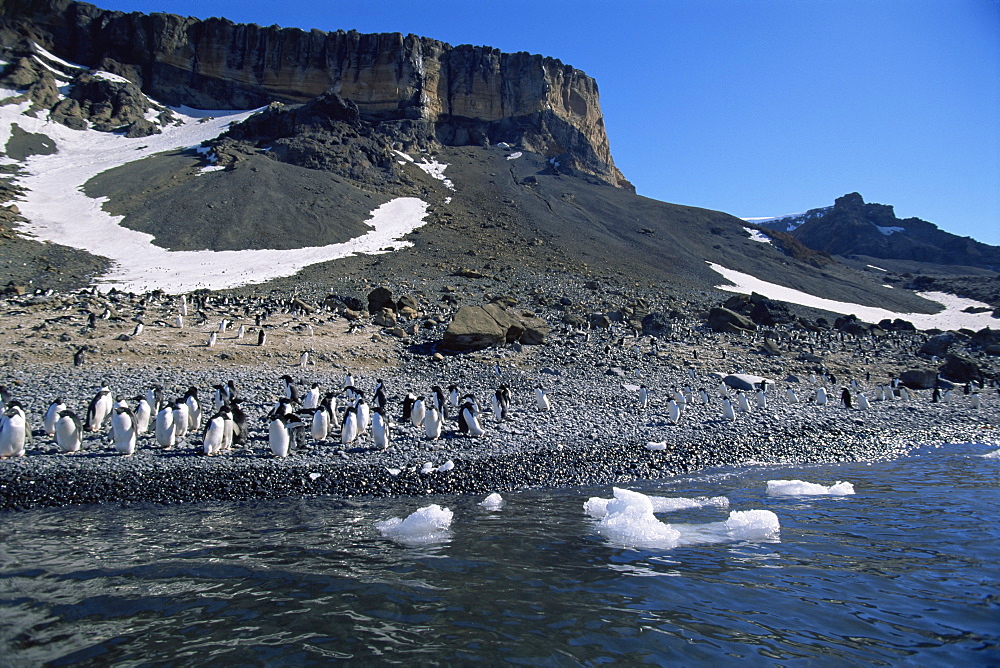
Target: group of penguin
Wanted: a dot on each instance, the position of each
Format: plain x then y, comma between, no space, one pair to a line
319,416
289,420
739,401
171,421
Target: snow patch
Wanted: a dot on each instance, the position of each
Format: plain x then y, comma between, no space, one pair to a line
47,55
436,170
871,266
950,317
515,155
108,76
59,212
757,235
889,230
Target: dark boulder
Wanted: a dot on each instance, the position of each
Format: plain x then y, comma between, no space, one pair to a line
724,320
918,379
960,369
938,345
656,324
380,298
478,327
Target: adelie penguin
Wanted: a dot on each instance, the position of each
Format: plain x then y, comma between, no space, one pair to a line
380,429
69,431
52,415
261,337
123,431
99,409
845,398
468,420
13,431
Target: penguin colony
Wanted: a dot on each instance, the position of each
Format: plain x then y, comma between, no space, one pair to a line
581,413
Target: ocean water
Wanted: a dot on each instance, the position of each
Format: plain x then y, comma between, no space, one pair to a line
904,571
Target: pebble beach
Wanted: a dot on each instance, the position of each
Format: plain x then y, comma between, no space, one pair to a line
596,432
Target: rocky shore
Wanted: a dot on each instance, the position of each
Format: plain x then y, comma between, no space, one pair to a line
595,431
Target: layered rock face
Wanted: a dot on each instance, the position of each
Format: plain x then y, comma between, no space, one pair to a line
455,95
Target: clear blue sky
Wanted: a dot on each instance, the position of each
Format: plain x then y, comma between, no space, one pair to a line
753,107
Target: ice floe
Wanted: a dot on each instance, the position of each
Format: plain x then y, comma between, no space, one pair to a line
427,525
629,519
492,502
802,488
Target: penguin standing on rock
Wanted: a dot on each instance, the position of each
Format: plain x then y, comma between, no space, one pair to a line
673,411
13,430
69,431
52,415
278,437
936,395
845,398
99,409
261,337
349,426
165,432
433,423
820,396
728,413
468,420
418,412
542,399
380,429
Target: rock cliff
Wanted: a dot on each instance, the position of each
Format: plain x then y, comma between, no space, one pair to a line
423,89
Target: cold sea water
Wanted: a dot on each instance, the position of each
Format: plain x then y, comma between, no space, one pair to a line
903,571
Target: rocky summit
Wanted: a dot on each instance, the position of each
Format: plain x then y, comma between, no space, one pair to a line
187,201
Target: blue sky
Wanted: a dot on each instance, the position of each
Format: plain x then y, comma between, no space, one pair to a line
756,108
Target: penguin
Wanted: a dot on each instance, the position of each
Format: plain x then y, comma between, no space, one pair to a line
154,397
363,412
820,396
680,399
138,329
261,337
381,401
52,415
974,399
468,417
936,395
845,398
228,427
278,437
904,394
791,396
501,405
744,403
179,322
219,397
349,426
724,391
542,399
283,407
241,332
69,431
761,399
692,373
212,338
195,411
291,392
123,430
80,357
863,403
184,305
99,409
946,397
643,397
438,399
418,412
673,411
13,430
380,429
727,410
319,428
223,326
164,429
215,432
239,422
349,380
143,413
453,396
182,419
432,423
311,398
304,359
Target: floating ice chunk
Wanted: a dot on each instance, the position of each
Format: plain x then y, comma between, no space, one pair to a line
447,466
802,488
992,455
752,524
426,525
629,519
662,445
493,502
597,507
663,504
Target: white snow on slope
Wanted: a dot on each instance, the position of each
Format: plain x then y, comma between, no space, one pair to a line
889,230
950,317
757,235
59,212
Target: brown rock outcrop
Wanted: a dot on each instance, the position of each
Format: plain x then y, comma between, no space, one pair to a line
458,95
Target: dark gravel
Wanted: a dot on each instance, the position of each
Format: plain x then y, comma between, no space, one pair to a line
594,433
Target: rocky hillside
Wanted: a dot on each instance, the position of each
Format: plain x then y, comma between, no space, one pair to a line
420,91
852,228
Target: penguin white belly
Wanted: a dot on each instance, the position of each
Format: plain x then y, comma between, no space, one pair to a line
277,438
123,430
12,431
166,435
68,436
